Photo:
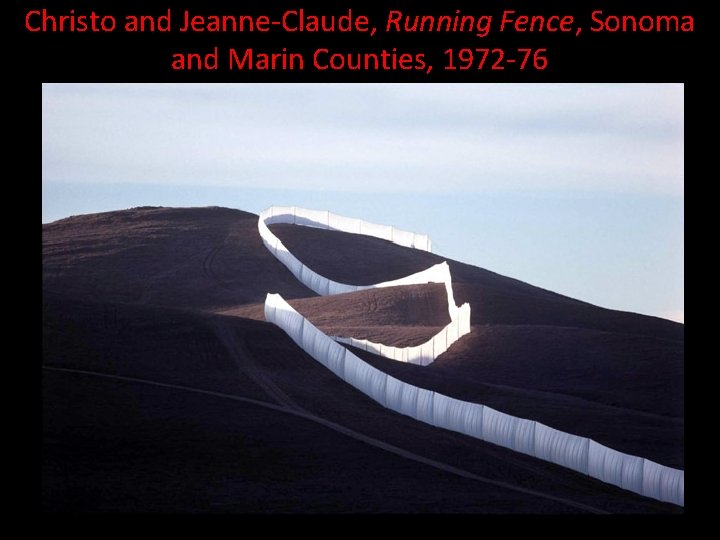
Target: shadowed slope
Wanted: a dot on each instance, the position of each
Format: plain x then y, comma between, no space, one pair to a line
495,299
113,284
201,258
114,445
402,316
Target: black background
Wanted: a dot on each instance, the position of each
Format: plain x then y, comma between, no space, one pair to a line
35,58
122,56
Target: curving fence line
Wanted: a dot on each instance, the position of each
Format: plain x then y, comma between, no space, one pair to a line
581,454
422,354
529,437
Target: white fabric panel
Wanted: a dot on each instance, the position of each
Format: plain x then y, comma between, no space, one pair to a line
374,229
450,413
525,436
601,466
271,244
340,288
283,313
673,486
454,418
274,299
335,359
335,288
453,332
616,468
439,342
312,218
424,411
632,472
663,483
311,278
266,216
317,283
378,381
347,340
441,410
364,375
402,238
409,400
283,212
426,353
285,257
345,224
351,372
422,242
452,308
652,478
289,260
311,338
365,378
562,448
547,443
265,232
394,393
286,317
464,319
324,288
499,428
473,414
309,335
306,276
321,348
269,310
293,324
271,220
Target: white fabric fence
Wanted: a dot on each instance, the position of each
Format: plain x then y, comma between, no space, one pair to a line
327,220
423,354
580,454
440,273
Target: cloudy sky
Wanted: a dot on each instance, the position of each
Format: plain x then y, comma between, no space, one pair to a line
575,188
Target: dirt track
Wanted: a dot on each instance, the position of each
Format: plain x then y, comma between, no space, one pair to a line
291,408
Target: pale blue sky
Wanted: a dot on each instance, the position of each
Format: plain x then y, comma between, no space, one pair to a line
575,188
